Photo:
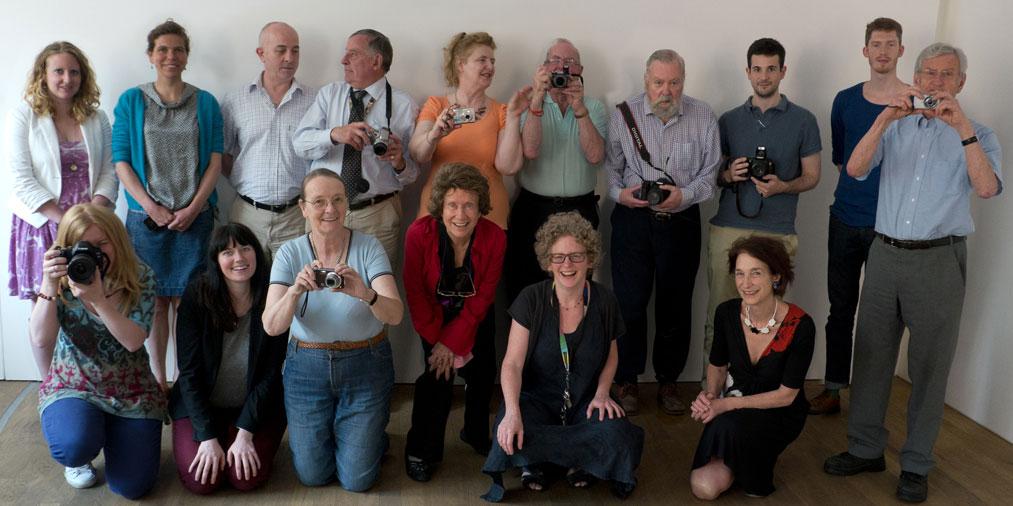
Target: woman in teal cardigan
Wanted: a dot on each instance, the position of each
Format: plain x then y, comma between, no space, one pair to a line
167,146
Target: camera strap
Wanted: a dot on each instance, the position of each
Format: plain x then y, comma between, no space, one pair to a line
390,102
738,202
638,140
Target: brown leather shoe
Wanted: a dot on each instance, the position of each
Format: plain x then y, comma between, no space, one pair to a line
826,403
627,394
668,399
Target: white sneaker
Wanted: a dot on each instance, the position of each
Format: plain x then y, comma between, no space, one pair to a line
80,477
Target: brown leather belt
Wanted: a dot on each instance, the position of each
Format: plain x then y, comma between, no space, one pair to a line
341,345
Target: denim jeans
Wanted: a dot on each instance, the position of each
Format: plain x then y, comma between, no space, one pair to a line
847,250
661,253
338,406
76,430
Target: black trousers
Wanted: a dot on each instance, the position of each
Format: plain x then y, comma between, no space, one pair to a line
432,399
847,251
660,252
527,214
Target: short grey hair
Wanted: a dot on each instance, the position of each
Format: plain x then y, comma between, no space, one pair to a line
666,56
561,40
941,49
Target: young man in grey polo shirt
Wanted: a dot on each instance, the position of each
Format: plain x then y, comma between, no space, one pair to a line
763,205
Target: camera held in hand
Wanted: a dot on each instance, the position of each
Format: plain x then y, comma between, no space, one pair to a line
929,102
462,115
83,259
652,192
760,166
560,79
380,139
328,278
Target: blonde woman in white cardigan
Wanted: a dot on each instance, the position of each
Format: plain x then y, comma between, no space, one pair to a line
59,145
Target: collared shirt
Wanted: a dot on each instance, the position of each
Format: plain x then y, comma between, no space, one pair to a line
687,148
312,139
789,132
259,137
561,169
924,188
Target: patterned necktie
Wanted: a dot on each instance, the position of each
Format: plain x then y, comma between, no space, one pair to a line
351,163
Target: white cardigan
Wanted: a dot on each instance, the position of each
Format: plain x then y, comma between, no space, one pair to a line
34,150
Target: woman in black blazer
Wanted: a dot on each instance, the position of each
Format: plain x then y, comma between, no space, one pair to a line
227,408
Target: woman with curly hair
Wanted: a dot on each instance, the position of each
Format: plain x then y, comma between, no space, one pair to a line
60,156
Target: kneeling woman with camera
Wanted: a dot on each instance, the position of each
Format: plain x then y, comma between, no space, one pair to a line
100,393
334,287
226,405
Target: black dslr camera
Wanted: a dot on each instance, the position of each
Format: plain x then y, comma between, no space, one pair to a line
652,192
560,79
379,138
328,278
82,260
760,166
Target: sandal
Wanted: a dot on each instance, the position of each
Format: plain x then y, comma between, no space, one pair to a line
579,478
533,478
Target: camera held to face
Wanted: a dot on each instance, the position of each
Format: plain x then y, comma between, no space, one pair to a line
328,278
380,139
461,115
82,260
760,166
560,79
929,102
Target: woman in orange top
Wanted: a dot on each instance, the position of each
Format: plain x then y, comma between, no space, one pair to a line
491,141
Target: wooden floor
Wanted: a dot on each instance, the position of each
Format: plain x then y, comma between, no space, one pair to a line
974,466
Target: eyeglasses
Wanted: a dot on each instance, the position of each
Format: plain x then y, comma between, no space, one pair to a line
947,75
461,285
567,62
575,258
321,203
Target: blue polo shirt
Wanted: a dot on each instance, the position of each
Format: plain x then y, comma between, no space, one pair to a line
850,118
789,133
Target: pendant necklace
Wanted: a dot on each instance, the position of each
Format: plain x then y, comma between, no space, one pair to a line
761,330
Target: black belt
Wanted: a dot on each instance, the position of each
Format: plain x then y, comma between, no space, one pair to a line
362,204
280,208
931,243
587,198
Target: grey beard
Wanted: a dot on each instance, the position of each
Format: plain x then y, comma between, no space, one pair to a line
666,113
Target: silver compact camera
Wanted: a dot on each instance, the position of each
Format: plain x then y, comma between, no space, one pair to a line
929,102
462,115
328,278
380,139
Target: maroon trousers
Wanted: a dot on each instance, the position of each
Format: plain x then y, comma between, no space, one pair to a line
184,449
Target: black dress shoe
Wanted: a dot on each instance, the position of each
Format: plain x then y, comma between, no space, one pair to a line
912,487
418,470
846,464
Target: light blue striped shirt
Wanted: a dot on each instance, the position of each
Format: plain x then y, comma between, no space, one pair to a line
924,188
687,148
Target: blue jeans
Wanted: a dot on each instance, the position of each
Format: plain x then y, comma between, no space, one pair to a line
338,406
76,430
847,250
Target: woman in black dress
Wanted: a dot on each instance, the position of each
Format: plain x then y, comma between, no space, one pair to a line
560,361
753,404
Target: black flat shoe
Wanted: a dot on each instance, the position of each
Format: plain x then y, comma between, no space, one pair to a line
579,478
533,479
418,470
912,487
846,464
622,490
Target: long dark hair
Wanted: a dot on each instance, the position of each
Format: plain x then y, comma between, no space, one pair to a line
213,293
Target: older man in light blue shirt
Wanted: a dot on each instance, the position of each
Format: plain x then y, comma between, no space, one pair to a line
931,160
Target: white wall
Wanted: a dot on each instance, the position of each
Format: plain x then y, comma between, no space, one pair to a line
823,42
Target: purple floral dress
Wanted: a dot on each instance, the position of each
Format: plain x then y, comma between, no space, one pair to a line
29,244
91,365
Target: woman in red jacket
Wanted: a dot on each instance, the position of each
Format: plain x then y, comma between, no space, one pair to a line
453,261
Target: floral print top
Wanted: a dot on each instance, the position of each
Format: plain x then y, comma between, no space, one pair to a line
90,364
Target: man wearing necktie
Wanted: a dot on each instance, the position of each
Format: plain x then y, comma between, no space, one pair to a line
336,134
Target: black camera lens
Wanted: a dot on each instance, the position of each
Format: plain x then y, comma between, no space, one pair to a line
334,280
81,268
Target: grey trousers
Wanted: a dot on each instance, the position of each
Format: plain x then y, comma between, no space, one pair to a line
922,290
